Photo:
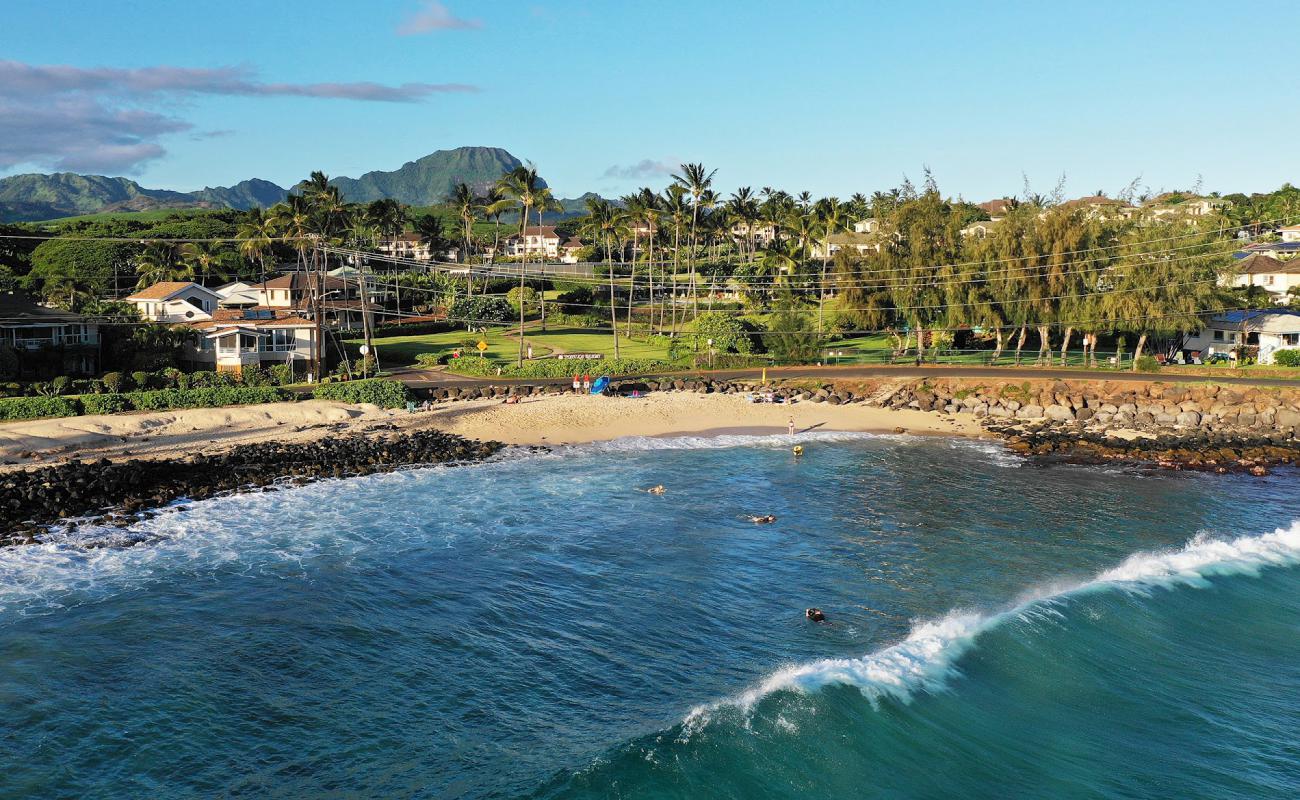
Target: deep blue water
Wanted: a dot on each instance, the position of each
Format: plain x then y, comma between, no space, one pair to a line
536,627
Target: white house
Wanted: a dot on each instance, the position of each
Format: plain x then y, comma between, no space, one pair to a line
175,301
861,243
1290,233
763,233
537,240
980,230
1264,332
569,251
408,246
869,225
238,338
1259,269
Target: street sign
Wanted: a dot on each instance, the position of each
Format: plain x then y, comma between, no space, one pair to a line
482,345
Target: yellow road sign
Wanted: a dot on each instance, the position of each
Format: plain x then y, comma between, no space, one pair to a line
482,345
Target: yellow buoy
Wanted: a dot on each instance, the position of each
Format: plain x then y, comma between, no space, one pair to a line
798,449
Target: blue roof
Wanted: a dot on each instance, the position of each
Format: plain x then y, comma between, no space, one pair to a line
1237,317
1267,247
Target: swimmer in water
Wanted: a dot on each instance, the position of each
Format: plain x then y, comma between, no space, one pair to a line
815,614
658,489
763,520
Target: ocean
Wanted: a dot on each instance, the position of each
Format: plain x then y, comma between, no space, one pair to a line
537,627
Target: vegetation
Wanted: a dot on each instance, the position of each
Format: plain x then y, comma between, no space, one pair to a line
377,391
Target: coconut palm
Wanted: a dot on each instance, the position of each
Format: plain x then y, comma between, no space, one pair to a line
466,207
832,217
678,210
157,262
522,184
604,222
697,181
207,260
542,203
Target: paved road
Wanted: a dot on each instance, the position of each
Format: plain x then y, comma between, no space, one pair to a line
434,378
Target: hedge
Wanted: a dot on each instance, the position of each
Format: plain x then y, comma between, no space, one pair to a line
378,391
37,407
104,403
167,399
1287,358
559,368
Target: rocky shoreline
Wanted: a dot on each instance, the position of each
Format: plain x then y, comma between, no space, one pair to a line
120,492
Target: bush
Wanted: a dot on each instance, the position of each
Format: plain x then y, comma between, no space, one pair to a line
480,309
255,376
728,333
559,368
282,374
141,380
378,391
530,299
37,407
1147,364
104,403
61,385
115,382
1287,358
214,397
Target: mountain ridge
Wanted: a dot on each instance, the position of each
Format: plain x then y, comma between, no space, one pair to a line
35,197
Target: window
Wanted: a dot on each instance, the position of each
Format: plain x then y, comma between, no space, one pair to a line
1218,336
282,340
1291,339
1268,280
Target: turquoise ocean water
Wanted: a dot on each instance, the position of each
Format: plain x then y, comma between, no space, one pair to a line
534,627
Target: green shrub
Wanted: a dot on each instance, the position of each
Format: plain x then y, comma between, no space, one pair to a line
1287,358
104,403
142,380
530,299
211,397
1147,364
115,382
36,407
282,374
480,309
62,385
727,332
255,376
378,391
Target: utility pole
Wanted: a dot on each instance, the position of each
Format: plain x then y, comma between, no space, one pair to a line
319,309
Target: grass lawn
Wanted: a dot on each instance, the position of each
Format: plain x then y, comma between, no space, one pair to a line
572,340
400,351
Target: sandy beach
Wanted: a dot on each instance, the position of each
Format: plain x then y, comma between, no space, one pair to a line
544,420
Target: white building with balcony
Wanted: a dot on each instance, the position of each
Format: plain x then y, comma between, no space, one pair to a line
537,240
235,339
175,302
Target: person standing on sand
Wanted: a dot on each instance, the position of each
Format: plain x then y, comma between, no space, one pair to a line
586,382
577,383
792,426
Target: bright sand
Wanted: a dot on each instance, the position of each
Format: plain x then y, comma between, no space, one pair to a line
550,419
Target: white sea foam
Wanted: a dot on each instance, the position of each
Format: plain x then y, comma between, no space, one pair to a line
725,441
926,658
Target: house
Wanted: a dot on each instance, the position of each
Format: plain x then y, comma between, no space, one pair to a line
175,302
1261,332
869,225
762,233
569,250
1289,233
996,209
1097,206
537,240
238,294
408,245
1258,269
980,230
862,243
237,338
1279,250
63,342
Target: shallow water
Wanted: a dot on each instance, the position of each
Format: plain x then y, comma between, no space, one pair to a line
534,626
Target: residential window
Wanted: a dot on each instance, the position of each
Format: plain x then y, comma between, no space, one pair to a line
1268,280
1291,339
1218,336
282,340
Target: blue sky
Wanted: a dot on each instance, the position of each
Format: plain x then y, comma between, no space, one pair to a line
831,97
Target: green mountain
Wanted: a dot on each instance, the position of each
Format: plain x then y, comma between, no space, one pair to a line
426,181
429,180
65,194
253,193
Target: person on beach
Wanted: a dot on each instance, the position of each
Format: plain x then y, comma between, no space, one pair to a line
586,382
577,383
792,426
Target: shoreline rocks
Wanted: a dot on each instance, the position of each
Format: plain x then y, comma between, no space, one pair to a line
115,492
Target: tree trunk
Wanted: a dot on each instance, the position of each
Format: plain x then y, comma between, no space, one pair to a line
1137,352
821,294
997,350
677,250
523,227
1044,351
1020,342
541,288
1092,349
1065,345
650,263
613,306
695,296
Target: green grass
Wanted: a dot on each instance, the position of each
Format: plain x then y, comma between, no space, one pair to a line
401,351
571,340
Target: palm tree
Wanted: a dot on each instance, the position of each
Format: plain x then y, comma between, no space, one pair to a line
495,203
648,215
466,207
603,222
697,181
831,214
208,259
544,201
158,262
522,184
675,207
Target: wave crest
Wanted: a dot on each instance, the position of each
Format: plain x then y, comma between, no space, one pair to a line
927,656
